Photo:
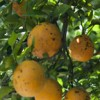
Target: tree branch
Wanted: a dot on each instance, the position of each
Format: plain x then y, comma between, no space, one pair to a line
64,33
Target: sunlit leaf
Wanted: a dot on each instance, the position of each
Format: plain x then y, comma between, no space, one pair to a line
12,39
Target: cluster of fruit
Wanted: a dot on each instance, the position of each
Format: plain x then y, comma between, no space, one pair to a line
29,81
29,77
47,39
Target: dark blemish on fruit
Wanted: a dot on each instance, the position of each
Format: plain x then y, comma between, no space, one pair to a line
85,39
18,76
66,98
53,39
62,39
51,33
46,29
26,83
57,89
87,44
21,70
76,91
23,80
85,48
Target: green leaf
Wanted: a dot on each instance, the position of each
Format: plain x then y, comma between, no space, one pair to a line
39,2
12,19
95,22
15,96
95,3
37,14
60,10
19,44
1,0
5,91
12,39
23,54
8,62
90,15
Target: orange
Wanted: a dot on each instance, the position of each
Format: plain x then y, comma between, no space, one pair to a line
81,48
28,78
77,94
46,39
19,8
50,91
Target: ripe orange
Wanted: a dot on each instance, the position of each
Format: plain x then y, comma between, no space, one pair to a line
47,39
28,78
81,48
50,91
77,94
19,8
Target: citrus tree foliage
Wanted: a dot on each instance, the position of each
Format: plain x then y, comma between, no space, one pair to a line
73,17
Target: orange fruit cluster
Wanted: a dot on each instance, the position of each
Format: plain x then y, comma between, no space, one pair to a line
29,81
45,39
